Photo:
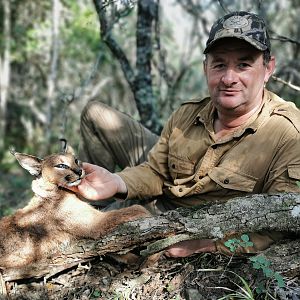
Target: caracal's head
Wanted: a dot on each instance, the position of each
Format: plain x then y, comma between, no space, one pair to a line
61,169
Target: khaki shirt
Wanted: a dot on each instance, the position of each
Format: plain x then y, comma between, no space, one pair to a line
188,166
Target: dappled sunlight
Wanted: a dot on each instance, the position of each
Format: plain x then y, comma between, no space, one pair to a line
55,216
113,122
163,102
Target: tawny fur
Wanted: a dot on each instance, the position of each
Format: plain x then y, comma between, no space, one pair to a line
55,216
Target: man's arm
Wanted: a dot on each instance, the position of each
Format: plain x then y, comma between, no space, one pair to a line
285,169
147,179
99,184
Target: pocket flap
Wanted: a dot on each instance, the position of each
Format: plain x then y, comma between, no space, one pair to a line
294,171
180,165
229,179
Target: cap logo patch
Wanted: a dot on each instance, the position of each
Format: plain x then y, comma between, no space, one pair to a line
235,22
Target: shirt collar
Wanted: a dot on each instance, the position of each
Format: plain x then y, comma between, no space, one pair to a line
207,113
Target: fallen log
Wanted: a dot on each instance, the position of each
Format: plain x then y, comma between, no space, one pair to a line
280,212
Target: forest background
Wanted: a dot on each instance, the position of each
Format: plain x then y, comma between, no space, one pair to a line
143,57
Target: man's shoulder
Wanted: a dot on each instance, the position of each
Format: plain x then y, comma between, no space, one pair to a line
189,110
286,109
196,101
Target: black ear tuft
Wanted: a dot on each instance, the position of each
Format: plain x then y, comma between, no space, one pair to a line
64,145
65,148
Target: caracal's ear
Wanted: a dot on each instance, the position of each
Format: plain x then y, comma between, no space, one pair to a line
65,148
30,163
70,150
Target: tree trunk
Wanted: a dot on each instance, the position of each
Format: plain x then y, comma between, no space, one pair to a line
4,70
147,10
254,213
51,82
139,80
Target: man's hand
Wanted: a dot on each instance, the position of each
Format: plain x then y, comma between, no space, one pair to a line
99,184
190,247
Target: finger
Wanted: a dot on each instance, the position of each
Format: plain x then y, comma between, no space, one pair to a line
87,191
72,188
88,168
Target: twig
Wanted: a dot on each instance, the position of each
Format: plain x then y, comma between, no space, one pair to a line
219,269
283,38
3,290
292,86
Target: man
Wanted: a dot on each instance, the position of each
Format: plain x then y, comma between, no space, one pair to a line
242,139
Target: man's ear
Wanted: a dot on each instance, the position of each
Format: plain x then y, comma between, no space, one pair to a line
270,68
205,66
30,163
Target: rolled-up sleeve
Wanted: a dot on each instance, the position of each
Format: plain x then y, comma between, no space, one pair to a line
147,179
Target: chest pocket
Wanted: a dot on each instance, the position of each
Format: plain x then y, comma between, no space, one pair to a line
294,171
229,179
180,167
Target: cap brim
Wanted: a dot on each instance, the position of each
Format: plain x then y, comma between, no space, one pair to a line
252,42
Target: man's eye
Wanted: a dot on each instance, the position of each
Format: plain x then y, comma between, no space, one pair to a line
243,65
219,66
62,166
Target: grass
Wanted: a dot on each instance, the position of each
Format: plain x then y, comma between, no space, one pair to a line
244,291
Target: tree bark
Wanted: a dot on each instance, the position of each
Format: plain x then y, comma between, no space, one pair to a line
51,82
145,100
280,212
5,69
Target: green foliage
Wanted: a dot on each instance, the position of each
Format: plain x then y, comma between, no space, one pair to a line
96,294
36,39
15,192
80,31
298,183
233,244
258,263
261,263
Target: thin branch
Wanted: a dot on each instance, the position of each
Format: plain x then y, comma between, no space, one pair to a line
283,38
292,86
113,45
223,6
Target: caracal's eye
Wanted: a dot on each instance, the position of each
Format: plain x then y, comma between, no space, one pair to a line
77,161
62,166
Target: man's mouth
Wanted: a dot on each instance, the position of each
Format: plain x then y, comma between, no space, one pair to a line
229,92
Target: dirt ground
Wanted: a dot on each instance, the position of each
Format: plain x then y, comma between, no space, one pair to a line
206,276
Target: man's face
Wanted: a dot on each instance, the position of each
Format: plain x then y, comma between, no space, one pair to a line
236,75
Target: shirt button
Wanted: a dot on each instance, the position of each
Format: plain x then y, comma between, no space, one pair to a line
173,166
226,181
180,190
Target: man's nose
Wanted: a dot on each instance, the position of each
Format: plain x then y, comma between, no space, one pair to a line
229,78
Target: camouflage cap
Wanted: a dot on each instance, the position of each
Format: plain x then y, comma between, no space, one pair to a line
242,25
